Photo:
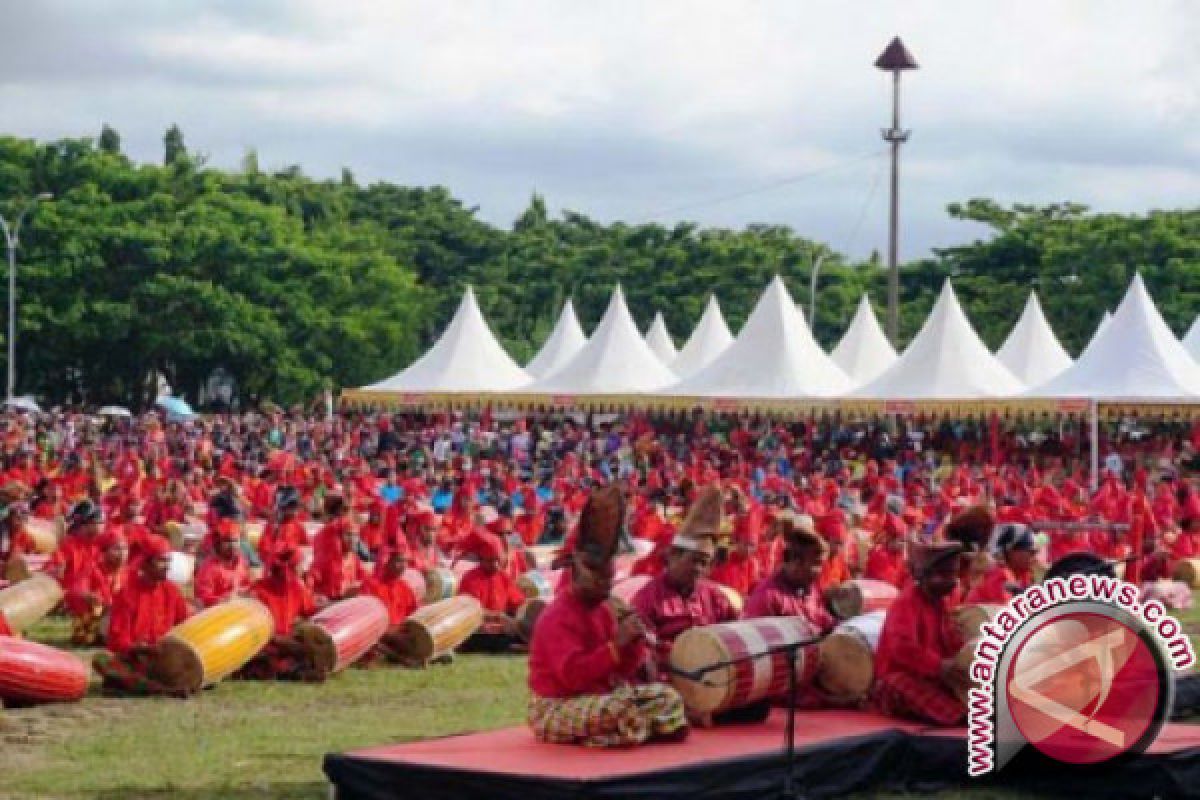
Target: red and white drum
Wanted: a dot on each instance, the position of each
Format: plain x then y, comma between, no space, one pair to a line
702,671
342,633
862,596
36,673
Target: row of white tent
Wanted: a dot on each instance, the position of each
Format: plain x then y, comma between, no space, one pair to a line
1132,356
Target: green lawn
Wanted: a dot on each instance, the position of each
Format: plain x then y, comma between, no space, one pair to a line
258,740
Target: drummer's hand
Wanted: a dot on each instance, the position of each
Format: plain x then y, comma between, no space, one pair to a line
629,630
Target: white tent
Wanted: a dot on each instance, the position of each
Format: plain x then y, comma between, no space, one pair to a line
946,360
1134,357
616,360
659,339
775,355
864,352
1032,352
1104,320
560,346
466,358
709,339
1191,340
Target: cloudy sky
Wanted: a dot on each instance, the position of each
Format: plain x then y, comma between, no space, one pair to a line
723,112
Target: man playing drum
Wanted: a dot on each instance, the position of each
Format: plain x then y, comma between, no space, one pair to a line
388,584
495,589
91,594
792,591
288,599
224,573
583,662
143,612
915,662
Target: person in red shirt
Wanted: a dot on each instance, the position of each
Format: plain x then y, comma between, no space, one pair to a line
1012,572
336,571
496,591
76,551
15,541
388,584
885,560
143,611
915,671
91,594
584,662
285,532
288,599
224,573
682,597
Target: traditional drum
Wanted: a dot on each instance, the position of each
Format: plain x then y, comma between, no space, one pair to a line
848,656
735,598
1188,571
961,682
862,596
24,603
416,582
440,584
527,617
343,632
970,618
535,583
439,628
701,670
35,673
213,644
183,567
44,532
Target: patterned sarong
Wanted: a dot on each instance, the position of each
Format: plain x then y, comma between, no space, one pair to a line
627,716
87,629
272,664
910,697
128,674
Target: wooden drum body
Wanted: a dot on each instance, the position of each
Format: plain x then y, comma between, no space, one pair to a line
213,644
862,596
527,617
440,584
35,673
535,584
24,603
1188,571
439,628
46,533
848,656
970,618
730,686
343,632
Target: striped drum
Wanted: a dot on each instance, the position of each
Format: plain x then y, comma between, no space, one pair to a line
416,581
343,632
440,584
848,656
439,628
24,603
35,673
213,644
735,598
852,598
535,584
726,686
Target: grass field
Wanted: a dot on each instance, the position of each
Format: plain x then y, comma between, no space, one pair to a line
258,740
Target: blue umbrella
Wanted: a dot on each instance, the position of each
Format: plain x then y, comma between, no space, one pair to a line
175,406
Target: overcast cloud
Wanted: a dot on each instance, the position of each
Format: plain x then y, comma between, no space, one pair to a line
647,109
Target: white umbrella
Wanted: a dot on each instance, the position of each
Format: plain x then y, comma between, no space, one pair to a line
114,411
26,403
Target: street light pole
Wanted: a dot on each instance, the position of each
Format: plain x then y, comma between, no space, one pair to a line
12,238
812,292
895,59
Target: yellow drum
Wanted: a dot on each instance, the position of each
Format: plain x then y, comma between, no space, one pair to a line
25,603
45,533
439,628
214,644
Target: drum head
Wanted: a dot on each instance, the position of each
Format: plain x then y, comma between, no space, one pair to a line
694,650
178,665
847,666
416,641
321,649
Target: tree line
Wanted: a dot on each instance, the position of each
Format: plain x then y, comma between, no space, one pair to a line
291,284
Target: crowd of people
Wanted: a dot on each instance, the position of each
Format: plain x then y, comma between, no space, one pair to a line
721,518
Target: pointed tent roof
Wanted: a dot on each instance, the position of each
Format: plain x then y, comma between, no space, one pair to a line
864,352
709,339
1191,340
616,360
775,355
946,360
1135,356
1032,352
465,358
560,346
1100,326
659,339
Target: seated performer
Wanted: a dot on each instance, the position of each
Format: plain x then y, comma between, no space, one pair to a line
914,663
496,591
337,571
583,662
1014,549
792,591
91,595
143,611
682,597
224,573
288,599
76,552
388,584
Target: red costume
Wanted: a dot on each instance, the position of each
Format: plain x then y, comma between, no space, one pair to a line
667,613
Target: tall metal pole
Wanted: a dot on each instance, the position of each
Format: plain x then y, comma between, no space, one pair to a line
895,59
12,238
812,293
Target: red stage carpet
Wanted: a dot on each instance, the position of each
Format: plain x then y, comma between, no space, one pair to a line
838,752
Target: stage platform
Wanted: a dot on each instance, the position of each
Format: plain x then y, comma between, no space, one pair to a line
837,752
